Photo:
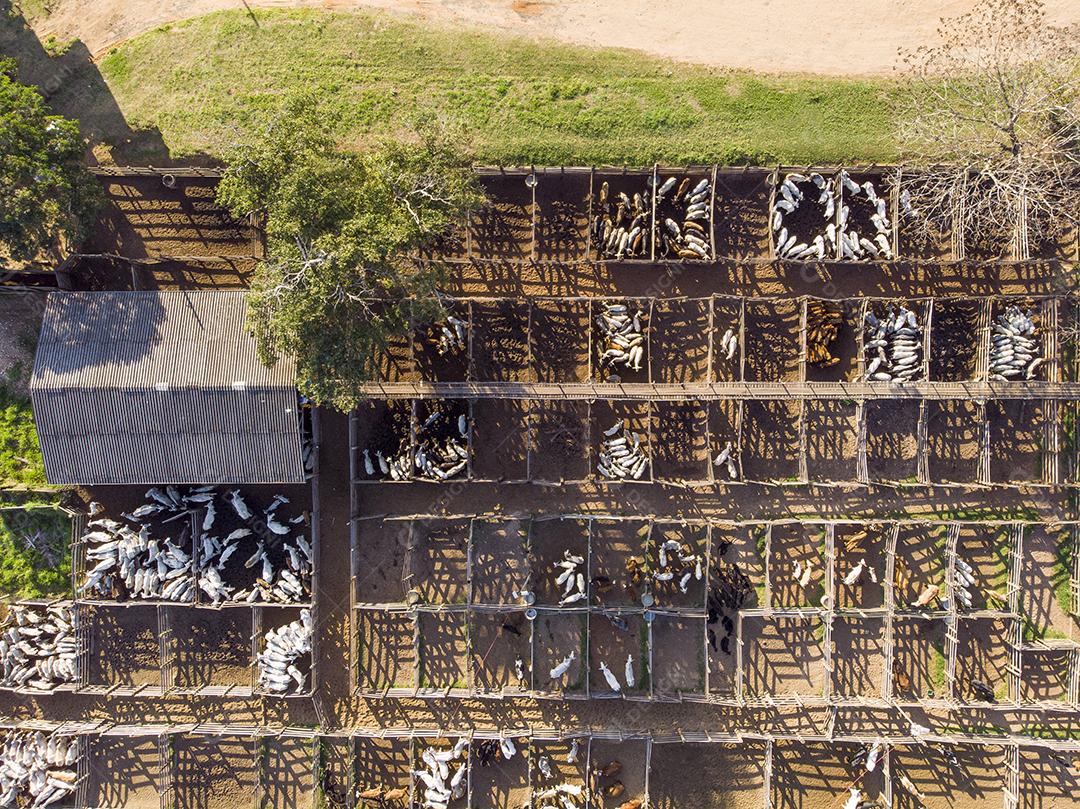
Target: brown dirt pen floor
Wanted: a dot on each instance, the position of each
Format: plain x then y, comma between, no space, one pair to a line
501,784
814,776
124,772
124,646
976,782
783,656
211,648
707,776
1048,780
215,772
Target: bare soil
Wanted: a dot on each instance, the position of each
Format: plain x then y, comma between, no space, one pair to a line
559,445
770,440
21,313
783,656
500,346
772,341
562,215
124,646
832,433
954,435
614,641
693,538
819,776
892,440
680,441
215,772
502,229
920,563
988,550
954,339
549,541
1043,571
211,647
793,545
497,640
726,320
500,439
853,544
1047,781
679,341
1044,675
631,755
125,772
437,561
562,355
444,650
500,563
918,658
725,427
982,654
385,650
725,776
977,781
143,218
556,635
678,655
381,763
504,783
858,657
617,546
1017,438
289,767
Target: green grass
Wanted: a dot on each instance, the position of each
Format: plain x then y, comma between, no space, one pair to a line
34,9
203,80
937,670
20,455
35,552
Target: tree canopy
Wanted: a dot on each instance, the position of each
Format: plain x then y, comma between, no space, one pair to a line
339,279
46,195
990,123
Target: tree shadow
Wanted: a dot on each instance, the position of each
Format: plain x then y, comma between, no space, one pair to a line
73,86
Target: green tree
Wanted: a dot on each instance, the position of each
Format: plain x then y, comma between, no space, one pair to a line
338,281
47,196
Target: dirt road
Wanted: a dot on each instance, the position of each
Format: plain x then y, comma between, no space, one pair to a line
843,37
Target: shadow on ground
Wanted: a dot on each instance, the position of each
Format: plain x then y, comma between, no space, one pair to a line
74,87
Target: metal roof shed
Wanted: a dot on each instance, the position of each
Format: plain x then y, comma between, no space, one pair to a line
161,387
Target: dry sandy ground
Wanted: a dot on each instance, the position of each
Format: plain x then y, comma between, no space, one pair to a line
843,37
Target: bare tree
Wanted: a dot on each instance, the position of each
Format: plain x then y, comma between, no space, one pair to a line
990,127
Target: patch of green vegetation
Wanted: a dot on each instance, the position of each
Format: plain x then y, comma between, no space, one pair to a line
525,102
1062,575
20,455
33,9
35,551
937,670
57,47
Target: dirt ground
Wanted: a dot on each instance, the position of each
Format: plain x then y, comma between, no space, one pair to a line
215,772
1048,780
20,312
725,776
124,772
783,656
976,779
631,755
815,776
211,648
721,35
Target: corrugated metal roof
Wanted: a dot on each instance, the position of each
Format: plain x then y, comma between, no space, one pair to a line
161,387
